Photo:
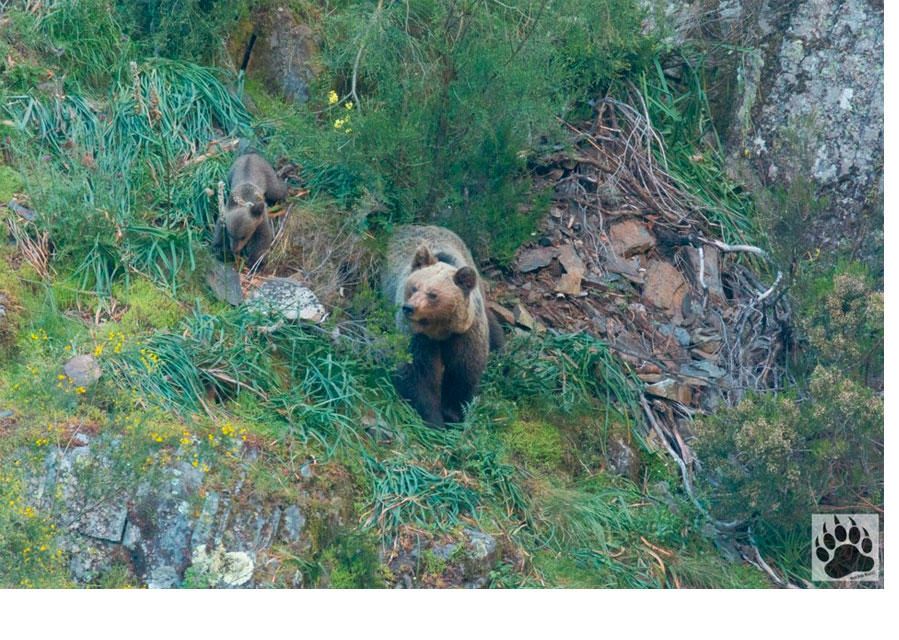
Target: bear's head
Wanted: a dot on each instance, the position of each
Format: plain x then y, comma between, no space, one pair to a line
437,300
243,214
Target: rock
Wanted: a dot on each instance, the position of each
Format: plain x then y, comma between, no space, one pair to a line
501,312
671,390
630,238
224,281
106,521
712,270
665,288
570,282
82,370
284,53
163,577
523,318
681,335
533,259
294,521
703,369
630,269
622,459
480,556
222,568
284,297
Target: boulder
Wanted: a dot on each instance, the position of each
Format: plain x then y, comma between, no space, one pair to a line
224,281
285,298
82,370
283,54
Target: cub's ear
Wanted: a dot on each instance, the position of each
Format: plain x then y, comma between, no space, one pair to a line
257,209
423,258
466,279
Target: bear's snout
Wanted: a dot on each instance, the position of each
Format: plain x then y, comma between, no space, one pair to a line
408,309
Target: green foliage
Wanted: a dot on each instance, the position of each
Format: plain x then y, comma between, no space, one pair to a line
843,319
119,192
10,183
87,36
148,307
777,460
563,371
691,154
538,443
29,556
192,30
452,99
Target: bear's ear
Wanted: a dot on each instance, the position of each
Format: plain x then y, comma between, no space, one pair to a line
257,209
423,258
466,279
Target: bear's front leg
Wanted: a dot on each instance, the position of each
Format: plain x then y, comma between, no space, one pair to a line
419,382
464,358
260,243
221,246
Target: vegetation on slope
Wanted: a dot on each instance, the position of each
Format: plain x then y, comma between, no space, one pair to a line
112,121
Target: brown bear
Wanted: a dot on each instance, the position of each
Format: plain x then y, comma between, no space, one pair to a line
432,279
244,224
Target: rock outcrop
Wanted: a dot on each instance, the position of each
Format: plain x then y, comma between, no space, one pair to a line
798,94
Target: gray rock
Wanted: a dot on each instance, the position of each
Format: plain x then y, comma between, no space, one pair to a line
282,297
480,555
224,281
622,459
294,521
537,258
284,53
671,390
163,577
82,370
678,333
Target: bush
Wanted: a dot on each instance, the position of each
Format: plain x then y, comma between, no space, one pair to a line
777,458
843,319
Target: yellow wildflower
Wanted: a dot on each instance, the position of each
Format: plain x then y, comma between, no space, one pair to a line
332,97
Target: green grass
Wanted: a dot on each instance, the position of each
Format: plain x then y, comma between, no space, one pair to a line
448,119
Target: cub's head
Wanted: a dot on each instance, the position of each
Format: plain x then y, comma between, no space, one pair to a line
437,297
242,218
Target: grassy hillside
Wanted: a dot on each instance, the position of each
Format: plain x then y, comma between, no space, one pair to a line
114,126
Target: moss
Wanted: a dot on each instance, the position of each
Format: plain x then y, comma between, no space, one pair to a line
10,183
148,306
536,442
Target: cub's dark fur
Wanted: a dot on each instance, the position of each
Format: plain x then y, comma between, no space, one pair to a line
244,223
434,282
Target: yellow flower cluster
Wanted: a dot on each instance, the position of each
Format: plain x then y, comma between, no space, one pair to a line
149,359
341,124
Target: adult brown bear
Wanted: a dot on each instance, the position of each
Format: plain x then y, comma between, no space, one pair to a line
432,279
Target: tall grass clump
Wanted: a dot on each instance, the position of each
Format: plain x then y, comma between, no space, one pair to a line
119,184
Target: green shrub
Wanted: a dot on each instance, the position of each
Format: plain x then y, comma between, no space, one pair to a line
777,459
843,319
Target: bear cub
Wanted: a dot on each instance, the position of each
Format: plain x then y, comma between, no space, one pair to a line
244,223
432,279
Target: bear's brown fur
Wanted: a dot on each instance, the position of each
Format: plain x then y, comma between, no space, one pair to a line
432,279
244,224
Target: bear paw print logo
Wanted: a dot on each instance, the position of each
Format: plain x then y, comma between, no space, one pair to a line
844,549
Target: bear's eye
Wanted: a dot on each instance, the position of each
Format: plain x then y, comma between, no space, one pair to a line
432,295
413,289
